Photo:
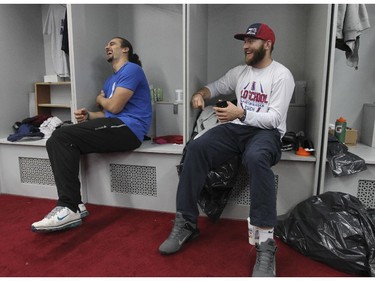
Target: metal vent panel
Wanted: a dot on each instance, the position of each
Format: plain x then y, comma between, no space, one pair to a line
366,193
241,190
36,171
132,179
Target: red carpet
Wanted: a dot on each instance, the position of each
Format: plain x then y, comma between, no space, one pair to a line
121,242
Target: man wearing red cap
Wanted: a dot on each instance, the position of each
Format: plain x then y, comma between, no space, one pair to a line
252,128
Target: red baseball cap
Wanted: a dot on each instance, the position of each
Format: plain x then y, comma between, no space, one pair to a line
258,30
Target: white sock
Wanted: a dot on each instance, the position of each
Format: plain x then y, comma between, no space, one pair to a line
264,234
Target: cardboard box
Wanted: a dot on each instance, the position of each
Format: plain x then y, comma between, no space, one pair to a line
351,136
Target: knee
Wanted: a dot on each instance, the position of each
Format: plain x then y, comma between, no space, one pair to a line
256,159
195,146
51,141
57,136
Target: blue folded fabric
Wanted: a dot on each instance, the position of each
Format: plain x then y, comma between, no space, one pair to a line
26,132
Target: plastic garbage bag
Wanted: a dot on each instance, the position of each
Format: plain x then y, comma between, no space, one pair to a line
218,186
334,228
341,161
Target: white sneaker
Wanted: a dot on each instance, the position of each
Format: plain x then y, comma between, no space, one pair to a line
59,218
83,210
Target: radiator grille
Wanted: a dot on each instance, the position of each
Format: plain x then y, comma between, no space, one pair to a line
36,171
366,193
141,180
131,179
241,190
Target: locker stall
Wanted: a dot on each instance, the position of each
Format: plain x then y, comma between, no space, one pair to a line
352,96
302,44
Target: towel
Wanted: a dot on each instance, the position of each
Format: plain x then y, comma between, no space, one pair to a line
352,20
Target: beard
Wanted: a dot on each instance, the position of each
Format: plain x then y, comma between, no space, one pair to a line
258,56
110,59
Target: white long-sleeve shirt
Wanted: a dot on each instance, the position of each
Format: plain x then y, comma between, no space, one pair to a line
264,93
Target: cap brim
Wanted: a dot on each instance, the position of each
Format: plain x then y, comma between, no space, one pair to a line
241,36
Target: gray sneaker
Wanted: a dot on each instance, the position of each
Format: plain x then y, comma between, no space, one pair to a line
265,264
182,231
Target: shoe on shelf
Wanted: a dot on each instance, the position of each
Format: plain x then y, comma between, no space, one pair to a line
265,264
58,219
83,210
182,232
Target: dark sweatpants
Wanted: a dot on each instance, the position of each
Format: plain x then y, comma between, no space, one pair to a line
67,143
260,150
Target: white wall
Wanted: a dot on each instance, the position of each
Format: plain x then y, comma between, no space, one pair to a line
352,88
156,34
197,33
93,27
21,61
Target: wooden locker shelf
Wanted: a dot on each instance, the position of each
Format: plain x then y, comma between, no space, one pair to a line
43,97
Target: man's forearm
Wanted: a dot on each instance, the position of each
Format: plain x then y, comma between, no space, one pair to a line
95,114
204,92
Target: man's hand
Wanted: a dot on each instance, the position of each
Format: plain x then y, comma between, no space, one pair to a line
229,113
197,101
81,115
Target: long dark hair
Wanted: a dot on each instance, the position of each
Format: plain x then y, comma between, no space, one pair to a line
132,56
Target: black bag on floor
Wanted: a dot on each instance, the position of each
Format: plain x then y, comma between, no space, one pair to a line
334,228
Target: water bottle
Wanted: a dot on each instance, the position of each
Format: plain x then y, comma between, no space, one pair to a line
340,129
178,96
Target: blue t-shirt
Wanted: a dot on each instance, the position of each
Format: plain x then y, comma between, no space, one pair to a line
137,113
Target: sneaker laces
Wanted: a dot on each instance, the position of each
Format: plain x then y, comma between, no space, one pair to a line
265,259
54,212
179,226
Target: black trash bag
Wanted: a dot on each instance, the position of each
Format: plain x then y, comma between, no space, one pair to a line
334,228
218,186
341,161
